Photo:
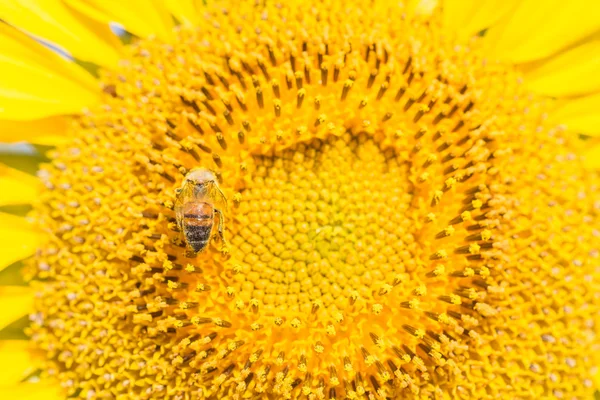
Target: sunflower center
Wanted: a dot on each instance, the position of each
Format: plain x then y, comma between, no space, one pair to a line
320,222
387,204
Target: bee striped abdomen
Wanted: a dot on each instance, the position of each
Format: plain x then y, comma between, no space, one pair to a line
198,220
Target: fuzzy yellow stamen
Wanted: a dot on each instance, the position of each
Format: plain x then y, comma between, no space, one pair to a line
400,220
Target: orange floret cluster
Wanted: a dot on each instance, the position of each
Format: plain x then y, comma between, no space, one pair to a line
401,222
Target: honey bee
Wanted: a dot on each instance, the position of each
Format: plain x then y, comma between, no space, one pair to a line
195,208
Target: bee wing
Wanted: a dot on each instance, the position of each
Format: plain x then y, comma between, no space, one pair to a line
185,195
218,196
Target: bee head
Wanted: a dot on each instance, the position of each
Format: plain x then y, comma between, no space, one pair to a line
201,176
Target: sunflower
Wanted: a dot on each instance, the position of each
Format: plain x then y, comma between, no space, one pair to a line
410,206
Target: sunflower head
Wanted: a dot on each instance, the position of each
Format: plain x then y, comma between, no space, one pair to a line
390,215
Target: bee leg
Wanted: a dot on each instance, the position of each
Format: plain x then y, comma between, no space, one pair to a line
221,225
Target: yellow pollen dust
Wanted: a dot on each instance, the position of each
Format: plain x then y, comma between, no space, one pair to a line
400,220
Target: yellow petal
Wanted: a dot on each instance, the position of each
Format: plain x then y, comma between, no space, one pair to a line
15,302
580,115
185,11
140,17
53,21
18,240
17,187
32,391
17,361
592,157
538,29
420,7
596,378
468,17
35,131
50,140
571,73
37,83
